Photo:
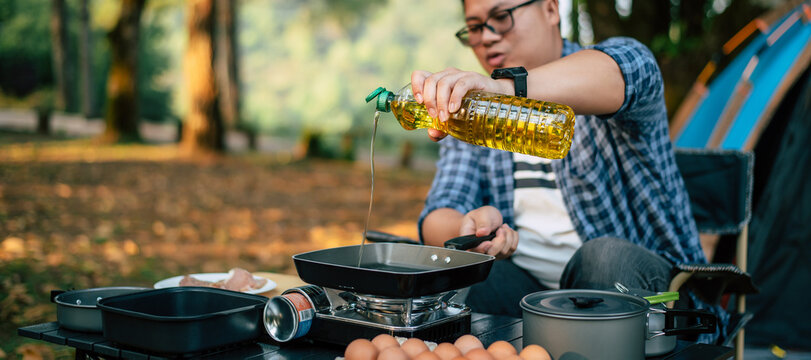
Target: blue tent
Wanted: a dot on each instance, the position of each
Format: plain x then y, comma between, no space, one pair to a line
756,96
731,108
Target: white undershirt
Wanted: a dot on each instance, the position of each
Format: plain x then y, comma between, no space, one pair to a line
546,237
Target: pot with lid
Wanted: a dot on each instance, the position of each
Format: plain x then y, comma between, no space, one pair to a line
593,324
77,309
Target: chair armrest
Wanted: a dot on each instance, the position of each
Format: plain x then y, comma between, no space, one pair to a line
711,281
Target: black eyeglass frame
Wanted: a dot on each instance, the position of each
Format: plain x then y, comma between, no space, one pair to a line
464,38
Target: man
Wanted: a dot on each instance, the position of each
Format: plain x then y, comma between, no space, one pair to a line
613,210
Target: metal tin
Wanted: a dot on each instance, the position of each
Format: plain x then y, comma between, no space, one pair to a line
288,316
314,294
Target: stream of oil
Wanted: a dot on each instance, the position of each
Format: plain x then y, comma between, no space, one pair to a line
372,192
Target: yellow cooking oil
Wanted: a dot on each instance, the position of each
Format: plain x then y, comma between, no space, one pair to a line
372,191
510,123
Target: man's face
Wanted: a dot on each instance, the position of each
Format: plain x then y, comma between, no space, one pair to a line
534,39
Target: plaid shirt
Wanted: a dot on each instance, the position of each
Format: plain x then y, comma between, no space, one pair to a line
619,179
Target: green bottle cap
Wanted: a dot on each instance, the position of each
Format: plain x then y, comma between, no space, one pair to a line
382,96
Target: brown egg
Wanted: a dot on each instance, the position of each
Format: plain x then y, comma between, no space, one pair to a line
534,352
512,357
393,353
501,349
384,341
361,349
479,354
466,343
426,356
414,347
446,351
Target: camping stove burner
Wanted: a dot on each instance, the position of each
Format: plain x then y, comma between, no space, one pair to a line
342,316
387,305
398,311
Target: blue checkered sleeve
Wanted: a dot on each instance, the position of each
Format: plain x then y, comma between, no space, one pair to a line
644,87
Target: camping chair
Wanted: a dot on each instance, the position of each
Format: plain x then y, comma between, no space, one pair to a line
719,183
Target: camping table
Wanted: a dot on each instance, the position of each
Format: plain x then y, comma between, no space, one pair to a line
488,328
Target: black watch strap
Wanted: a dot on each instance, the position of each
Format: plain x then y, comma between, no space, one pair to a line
519,76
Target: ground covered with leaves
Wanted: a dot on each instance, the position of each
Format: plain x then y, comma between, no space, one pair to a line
75,215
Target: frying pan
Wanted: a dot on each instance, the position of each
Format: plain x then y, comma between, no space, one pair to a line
397,269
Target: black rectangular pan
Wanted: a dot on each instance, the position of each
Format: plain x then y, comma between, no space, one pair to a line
182,320
397,269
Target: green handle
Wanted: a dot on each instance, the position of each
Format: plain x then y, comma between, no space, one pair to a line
662,297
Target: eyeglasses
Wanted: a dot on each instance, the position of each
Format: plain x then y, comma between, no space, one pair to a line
499,22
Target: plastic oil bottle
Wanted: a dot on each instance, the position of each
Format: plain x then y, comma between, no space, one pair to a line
503,122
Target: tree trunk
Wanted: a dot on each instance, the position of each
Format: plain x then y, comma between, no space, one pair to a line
226,62
122,91
605,19
606,22
648,19
59,46
574,18
85,60
407,155
43,120
203,129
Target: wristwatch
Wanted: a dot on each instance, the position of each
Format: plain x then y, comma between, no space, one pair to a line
519,76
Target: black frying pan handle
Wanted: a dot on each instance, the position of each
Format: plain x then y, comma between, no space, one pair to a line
379,236
468,241
707,322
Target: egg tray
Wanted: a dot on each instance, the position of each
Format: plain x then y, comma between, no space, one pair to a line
182,320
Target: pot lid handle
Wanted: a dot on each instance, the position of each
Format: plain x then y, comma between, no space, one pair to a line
583,302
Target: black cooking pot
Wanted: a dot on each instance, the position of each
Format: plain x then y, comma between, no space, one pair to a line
596,324
77,310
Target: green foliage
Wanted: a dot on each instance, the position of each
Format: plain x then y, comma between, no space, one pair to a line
154,95
25,54
346,12
25,48
154,92
303,64
663,46
304,70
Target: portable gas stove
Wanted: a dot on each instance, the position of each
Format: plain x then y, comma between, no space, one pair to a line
392,288
338,316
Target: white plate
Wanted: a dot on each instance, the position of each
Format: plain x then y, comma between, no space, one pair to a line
213,277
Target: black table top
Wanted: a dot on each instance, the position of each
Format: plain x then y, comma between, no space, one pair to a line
488,328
